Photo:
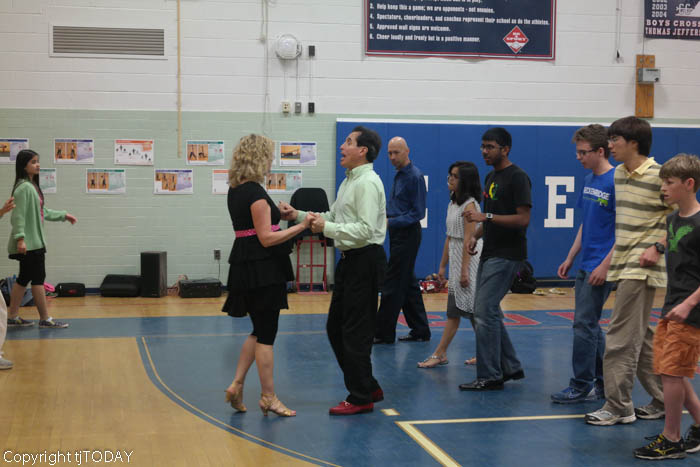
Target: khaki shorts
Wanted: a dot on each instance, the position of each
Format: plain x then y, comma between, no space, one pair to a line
676,349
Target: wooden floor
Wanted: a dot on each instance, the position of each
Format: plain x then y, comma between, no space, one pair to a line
94,306
92,393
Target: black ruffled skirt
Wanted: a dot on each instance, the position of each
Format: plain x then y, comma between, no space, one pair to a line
257,280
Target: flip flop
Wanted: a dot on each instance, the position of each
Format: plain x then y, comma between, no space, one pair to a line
441,361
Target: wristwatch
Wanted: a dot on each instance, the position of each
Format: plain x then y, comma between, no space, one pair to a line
660,247
489,216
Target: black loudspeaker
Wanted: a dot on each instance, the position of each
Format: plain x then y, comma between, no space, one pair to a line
154,273
120,285
200,288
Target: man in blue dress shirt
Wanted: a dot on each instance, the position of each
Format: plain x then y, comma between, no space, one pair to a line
405,209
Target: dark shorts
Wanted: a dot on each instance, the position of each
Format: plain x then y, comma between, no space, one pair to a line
32,267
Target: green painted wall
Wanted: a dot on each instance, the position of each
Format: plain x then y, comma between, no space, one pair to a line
112,230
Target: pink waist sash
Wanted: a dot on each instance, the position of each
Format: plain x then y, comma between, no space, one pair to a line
251,232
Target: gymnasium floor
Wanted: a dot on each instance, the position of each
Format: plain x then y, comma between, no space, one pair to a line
147,377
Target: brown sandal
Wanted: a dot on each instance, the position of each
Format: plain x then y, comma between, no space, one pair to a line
235,398
270,403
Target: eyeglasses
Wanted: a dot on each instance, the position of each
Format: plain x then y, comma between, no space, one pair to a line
583,152
489,147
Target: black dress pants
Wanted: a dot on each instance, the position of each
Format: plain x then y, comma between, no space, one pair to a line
401,289
351,318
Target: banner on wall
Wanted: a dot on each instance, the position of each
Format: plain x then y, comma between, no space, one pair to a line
73,151
105,181
672,19
133,151
173,182
9,147
47,180
518,29
205,153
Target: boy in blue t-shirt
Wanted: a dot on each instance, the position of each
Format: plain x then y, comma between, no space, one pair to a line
677,337
595,240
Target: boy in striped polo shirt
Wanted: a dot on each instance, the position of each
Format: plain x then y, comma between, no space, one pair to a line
638,265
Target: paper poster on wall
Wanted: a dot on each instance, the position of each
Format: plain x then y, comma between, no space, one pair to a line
9,147
173,182
219,181
297,153
105,181
133,151
205,153
283,181
73,151
47,180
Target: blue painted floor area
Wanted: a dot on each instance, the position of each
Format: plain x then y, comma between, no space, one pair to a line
192,360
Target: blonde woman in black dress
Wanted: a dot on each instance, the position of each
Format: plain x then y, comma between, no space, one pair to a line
260,267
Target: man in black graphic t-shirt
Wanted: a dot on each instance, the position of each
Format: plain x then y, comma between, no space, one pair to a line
504,220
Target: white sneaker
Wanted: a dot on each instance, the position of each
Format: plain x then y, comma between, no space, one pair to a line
5,364
605,418
649,412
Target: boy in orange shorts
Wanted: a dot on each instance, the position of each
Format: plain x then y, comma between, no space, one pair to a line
677,338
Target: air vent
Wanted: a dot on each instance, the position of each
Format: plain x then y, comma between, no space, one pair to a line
71,40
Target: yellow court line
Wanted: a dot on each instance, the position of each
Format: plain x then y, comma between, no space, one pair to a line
441,456
495,419
426,443
219,422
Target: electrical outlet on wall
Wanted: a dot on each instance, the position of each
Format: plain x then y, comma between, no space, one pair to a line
297,107
286,107
217,254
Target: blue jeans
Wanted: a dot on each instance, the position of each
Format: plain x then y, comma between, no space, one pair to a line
589,340
495,355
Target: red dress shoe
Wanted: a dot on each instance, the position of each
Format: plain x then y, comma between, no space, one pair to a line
377,395
346,408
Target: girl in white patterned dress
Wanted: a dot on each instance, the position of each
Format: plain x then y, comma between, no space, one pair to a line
465,195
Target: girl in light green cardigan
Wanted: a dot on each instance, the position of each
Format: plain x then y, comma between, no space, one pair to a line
26,243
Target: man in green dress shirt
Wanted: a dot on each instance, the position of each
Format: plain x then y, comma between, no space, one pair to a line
357,223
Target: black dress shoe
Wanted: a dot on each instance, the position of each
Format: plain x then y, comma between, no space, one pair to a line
482,385
520,374
412,338
379,340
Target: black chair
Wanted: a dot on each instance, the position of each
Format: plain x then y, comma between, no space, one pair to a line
315,200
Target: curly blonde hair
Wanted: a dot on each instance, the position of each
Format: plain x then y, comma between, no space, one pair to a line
251,160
